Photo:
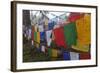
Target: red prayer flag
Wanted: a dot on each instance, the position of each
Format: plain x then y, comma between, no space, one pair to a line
74,16
84,56
59,38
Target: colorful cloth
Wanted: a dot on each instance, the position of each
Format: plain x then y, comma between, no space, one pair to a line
43,48
38,37
41,28
74,16
84,56
70,34
35,36
59,38
49,52
79,47
42,36
74,56
54,53
51,25
84,29
48,37
66,55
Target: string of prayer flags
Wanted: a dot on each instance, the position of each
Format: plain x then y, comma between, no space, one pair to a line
62,37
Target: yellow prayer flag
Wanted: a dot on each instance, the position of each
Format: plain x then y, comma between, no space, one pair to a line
38,37
83,48
83,29
54,53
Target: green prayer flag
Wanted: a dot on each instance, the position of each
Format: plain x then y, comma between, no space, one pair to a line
49,51
70,34
35,36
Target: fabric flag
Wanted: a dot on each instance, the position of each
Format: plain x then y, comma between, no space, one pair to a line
79,47
35,36
51,25
48,37
54,53
43,48
42,37
59,38
85,56
83,29
70,34
53,45
49,52
38,37
41,28
74,56
66,55
74,16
